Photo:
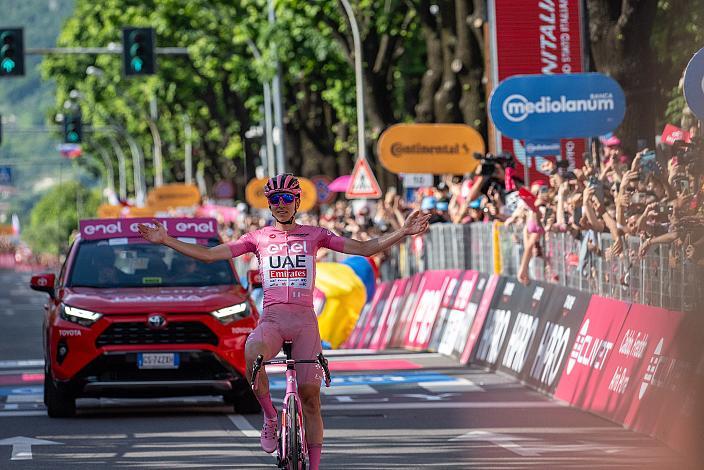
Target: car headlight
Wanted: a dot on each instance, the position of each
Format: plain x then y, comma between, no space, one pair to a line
78,315
232,313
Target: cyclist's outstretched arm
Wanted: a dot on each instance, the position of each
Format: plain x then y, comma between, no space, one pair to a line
415,224
157,234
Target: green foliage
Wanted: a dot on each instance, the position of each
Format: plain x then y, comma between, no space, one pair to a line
56,216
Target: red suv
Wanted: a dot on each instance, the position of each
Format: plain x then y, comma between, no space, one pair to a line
127,318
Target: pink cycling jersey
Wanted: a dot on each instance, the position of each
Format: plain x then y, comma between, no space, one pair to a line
287,260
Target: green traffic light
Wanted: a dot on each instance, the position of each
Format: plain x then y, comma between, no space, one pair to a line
8,65
72,137
137,64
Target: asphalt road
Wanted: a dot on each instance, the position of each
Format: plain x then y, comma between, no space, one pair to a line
395,410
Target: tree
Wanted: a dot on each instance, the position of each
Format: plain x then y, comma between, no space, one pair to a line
56,216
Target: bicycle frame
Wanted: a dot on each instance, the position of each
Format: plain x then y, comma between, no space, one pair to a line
291,398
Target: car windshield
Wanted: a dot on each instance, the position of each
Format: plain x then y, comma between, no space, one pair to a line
123,262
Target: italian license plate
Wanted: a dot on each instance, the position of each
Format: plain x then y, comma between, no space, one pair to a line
158,360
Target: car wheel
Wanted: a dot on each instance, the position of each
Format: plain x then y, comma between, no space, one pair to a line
244,402
59,404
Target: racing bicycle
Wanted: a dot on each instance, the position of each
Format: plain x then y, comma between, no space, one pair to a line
292,451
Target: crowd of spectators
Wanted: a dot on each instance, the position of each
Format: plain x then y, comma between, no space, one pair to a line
655,195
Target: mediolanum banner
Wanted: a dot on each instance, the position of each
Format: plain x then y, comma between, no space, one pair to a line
557,106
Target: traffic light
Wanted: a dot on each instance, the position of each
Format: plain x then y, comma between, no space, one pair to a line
138,51
11,52
73,128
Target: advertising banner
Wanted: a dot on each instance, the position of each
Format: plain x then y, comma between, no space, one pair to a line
559,324
390,314
431,292
401,324
452,321
536,37
547,107
100,229
483,295
498,321
373,308
583,374
430,148
544,148
679,376
632,391
526,307
694,84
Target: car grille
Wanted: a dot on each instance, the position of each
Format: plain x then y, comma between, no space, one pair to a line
173,333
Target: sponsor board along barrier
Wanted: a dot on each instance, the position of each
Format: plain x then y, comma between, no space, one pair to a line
640,366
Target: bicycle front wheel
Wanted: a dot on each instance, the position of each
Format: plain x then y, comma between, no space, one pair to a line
293,446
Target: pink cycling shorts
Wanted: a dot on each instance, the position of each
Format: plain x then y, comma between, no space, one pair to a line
297,323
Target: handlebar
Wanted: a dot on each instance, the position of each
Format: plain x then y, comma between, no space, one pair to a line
320,360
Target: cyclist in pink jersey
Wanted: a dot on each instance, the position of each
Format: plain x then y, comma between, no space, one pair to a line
286,253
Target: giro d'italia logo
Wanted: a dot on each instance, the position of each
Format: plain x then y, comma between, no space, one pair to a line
517,108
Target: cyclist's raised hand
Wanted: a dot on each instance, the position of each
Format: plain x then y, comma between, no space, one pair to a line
155,234
416,223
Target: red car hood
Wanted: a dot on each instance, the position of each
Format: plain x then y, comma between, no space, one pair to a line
154,299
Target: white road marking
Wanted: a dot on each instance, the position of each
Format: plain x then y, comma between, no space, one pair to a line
348,390
506,441
21,363
12,414
11,406
439,405
26,398
458,385
22,446
243,426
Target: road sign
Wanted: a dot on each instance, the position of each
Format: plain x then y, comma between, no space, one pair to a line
694,84
546,107
363,184
5,175
417,180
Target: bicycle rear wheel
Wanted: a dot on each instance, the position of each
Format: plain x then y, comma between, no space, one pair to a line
293,448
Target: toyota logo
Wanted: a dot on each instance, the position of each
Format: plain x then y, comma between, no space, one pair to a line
156,321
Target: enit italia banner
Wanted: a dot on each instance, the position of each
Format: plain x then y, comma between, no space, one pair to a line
536,37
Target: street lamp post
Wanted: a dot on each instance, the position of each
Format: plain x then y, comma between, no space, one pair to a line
153,129
271,168
278,106
121,166
362,148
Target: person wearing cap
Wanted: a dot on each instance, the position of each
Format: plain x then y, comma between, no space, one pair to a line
287,255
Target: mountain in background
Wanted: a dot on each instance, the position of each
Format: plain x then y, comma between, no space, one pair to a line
24,104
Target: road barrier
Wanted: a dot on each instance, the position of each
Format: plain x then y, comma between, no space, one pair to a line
640,366
663,278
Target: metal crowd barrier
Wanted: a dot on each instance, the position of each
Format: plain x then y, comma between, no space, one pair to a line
664,278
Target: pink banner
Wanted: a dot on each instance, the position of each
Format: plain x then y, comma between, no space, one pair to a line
583,376
456,315
480,317
638,385
402,323
101,229
432,289
390,314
